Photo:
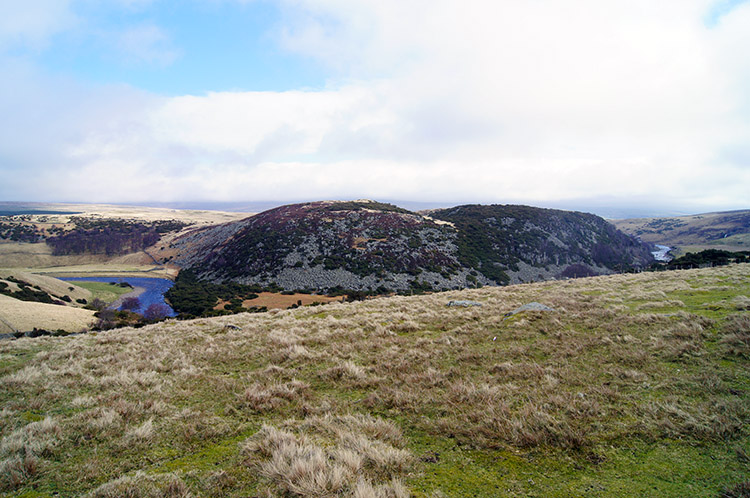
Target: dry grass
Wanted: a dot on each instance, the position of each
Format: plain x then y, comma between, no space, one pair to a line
22,451
331,456
25,316
49,284
339,400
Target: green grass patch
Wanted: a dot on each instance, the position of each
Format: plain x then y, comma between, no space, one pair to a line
103,290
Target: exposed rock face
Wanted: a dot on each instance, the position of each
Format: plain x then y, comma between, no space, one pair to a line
365,245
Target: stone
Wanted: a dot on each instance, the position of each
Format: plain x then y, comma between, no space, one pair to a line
464,304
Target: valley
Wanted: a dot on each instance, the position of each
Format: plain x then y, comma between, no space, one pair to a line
318,252
728,231
273,383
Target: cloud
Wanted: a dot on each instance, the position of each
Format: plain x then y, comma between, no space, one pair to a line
31,23
533,102
145,43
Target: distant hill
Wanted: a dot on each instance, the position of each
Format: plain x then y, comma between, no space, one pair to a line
725,230
366,245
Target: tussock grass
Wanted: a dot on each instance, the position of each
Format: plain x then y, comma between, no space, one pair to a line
736,335
631,379
331,456
23,450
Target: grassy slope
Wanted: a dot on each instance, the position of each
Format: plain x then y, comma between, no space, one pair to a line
692,233
52,286
25,316
638,385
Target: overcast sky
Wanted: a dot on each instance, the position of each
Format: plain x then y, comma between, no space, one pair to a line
640,104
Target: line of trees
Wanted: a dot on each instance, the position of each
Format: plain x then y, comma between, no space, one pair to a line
111,237
111,242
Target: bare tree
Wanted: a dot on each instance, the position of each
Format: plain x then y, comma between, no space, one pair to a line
156,312
130,304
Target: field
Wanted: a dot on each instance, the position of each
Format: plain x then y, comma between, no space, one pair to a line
635,385
107,270
48,284
39,255
277,300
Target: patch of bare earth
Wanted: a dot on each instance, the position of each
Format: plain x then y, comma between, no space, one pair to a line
273,300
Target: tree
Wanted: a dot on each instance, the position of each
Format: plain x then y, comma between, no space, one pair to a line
156,312
106,319
130,304
97,304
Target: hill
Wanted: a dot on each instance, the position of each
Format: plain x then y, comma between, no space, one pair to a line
23,316
37,235
529,243
724,231
631,385
55,288
366,245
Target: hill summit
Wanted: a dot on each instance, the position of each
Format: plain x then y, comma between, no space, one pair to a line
369,245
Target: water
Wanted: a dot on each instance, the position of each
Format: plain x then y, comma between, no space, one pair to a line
662,253
154,293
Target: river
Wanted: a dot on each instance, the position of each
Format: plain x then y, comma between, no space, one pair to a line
148,290
662,253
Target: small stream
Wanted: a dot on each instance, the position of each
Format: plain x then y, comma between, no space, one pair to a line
662,253
153,290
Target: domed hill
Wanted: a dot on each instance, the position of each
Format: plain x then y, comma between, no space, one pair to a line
367,245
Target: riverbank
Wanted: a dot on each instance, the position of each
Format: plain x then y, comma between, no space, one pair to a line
149,291
136,292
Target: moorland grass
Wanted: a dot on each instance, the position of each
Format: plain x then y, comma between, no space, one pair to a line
636,385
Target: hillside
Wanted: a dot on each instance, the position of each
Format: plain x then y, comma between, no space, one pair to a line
527,243
55,288
23,316
632,385
38,235
726,230
365,245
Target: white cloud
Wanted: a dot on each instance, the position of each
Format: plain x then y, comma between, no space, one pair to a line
533,102
30,23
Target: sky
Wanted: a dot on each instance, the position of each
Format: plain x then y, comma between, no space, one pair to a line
597,105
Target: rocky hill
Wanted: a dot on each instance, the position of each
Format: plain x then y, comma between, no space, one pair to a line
366,245
508,243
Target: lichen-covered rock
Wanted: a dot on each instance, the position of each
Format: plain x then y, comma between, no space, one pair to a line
464,304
